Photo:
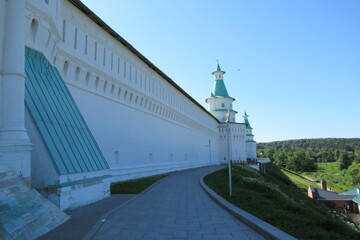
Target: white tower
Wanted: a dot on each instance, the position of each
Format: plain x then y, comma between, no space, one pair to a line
219,102
250,143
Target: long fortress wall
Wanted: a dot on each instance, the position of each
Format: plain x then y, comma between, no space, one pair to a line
143,122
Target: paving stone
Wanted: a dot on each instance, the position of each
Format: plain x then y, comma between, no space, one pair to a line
175,208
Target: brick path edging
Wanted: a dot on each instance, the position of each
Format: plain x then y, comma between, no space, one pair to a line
260,226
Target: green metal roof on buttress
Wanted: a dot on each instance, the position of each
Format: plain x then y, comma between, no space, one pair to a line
63,129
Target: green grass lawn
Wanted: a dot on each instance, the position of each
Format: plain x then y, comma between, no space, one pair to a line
275,199
332,174
302,183
135,186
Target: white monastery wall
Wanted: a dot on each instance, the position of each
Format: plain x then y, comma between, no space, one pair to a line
143,124
251,150
237,144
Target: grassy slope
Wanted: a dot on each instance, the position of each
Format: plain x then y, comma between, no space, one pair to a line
135,186
302,183
331,173
276,200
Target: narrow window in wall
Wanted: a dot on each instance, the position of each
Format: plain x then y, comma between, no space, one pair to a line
105,86
223,105
33,28
150,157
130,71
171,157
87,78
112,60
118,67
86,44
112,89
47,2
65,68
119,92
64,31
140,80
135,76
97,82
117,158
124,69
75,39
77,73
125,95
95,55
104,56
131,97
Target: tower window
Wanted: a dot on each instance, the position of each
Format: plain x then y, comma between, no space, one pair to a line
223,105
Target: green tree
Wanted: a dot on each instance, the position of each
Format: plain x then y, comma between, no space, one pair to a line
357,159
299,162
337,154
270,152
280,159
295,161
353,174
344,161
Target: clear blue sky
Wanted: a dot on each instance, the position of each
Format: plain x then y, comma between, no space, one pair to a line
293,65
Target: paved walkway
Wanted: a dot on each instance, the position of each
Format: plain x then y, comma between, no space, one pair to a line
83,218
174,208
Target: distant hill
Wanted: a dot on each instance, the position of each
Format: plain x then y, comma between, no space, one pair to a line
316,144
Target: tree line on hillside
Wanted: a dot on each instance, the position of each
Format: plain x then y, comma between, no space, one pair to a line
301,155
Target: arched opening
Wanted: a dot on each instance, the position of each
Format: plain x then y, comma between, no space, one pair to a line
77,73
33,28
87,79
105,86
117,158
97,82
112,89
65,68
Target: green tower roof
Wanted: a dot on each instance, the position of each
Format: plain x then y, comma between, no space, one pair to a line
246,121
219,89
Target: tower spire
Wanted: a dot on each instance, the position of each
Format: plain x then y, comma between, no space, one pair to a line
219,102
218,69
246,120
